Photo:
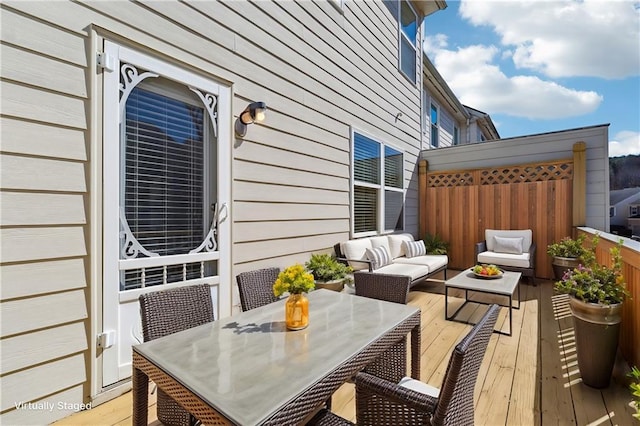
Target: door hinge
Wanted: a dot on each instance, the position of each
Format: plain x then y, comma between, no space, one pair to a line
106,339
105,61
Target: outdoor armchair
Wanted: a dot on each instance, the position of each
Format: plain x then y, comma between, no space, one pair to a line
511,250
256,287
167,312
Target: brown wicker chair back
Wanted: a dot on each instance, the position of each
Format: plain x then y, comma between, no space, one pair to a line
170,311
383,402
392,288
256,287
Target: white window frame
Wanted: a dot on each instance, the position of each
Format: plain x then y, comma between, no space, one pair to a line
401,35
380,188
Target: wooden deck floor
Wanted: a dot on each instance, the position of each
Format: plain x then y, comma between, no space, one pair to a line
530,378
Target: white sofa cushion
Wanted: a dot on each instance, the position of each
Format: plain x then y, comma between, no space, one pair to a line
379,256
508,245
355,250
433,262
414,248
395,244
526,235
505,259
414,271
381,241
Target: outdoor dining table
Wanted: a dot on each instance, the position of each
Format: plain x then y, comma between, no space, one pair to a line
249,370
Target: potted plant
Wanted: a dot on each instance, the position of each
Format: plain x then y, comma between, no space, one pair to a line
434,244
296,281
596,293
328,272
567,254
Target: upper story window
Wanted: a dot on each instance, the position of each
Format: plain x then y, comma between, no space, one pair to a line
434,126
408,37
456,135
378,187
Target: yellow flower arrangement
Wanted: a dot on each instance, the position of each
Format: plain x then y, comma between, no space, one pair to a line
295,280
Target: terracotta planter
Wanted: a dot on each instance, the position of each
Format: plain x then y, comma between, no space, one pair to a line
561,264
597,330
335,285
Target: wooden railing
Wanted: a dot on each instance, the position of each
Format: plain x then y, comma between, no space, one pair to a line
630,327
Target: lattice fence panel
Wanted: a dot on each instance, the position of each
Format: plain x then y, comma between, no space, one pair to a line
501,175
529,173
436,180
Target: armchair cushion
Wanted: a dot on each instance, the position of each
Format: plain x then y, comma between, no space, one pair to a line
418,386
505,259
526,234
508,245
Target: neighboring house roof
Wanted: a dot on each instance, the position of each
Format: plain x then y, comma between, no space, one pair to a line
484,121
438,87
627,195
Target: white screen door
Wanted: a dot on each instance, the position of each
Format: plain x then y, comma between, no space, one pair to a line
166,189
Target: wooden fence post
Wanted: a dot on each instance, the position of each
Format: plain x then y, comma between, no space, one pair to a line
579,184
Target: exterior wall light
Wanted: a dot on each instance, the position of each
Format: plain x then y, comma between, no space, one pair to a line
255,112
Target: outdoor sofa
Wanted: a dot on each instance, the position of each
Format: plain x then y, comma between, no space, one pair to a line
393,254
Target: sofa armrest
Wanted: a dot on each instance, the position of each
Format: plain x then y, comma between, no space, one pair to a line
480,247
346,262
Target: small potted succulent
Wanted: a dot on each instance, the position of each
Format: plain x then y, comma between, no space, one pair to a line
328,272
567,254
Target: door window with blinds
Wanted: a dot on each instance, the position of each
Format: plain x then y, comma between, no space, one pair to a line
378,187
167,157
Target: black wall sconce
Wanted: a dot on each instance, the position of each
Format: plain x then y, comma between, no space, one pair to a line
255,112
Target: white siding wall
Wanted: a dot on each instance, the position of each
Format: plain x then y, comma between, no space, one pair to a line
538,148
320,71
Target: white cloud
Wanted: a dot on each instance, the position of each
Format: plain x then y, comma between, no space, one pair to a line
479,83
593,38
625,143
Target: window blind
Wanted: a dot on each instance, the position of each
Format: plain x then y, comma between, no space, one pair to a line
164,172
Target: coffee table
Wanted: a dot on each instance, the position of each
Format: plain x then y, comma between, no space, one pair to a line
466,280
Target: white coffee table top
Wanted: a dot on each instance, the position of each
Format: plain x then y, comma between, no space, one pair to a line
467,280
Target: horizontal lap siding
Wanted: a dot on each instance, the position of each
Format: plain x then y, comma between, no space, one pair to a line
44,306
319,71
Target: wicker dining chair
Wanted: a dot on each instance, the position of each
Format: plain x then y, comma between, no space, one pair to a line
411,402
170,311
256,287
392,365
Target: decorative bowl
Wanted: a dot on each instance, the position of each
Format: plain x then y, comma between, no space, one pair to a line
485,276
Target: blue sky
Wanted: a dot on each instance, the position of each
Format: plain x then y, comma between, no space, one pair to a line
543,66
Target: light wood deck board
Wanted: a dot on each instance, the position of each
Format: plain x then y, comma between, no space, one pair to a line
523,379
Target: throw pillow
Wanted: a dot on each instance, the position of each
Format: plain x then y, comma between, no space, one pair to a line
508,245
414,248
379,256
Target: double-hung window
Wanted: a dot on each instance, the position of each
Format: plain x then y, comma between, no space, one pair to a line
408,51
378,187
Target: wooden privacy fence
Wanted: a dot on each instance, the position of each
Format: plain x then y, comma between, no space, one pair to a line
458,205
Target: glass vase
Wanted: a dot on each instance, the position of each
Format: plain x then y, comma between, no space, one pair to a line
297,312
